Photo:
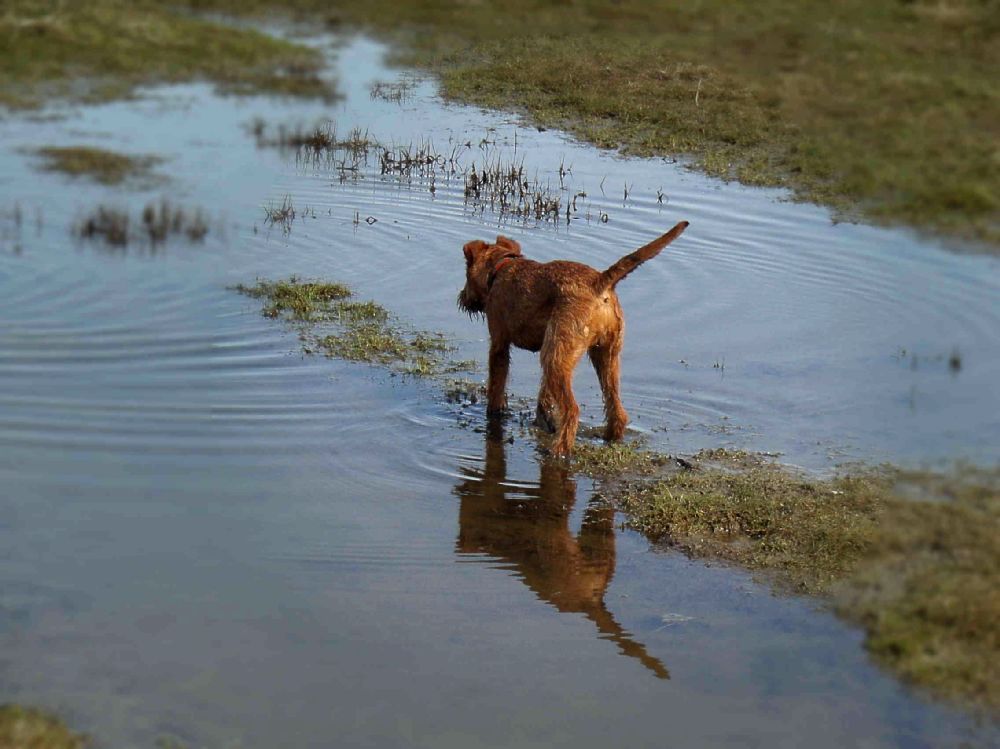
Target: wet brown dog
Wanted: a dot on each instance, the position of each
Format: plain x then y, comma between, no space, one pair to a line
562,309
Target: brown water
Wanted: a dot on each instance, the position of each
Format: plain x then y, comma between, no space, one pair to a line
209,536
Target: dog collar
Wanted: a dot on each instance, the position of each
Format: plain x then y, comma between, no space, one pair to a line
496,269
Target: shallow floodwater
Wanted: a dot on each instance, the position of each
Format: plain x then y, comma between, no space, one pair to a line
208,536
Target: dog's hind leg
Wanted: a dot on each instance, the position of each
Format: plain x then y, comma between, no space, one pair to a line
607,363
560,354
496,396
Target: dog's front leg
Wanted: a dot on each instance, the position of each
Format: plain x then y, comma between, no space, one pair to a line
496,395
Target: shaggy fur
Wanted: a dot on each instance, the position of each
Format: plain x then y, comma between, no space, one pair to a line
561,309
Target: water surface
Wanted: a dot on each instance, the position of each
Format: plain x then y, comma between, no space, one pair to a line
210,536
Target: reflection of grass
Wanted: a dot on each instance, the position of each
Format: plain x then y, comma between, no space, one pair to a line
106,167
364,331
882,106
921,575
50,46
28,728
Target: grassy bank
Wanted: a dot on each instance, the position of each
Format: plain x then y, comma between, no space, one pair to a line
910,557
102,49
887,109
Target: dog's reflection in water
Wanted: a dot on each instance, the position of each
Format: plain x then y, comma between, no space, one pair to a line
529,528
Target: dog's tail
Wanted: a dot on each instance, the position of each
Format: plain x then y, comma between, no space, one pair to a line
630,262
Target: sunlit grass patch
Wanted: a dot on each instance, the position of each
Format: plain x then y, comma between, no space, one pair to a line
615,458
760,515
99,164
362,331
298,300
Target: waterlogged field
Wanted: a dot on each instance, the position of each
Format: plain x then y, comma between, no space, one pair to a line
217,535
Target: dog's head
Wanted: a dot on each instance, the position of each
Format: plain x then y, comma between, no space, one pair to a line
481,259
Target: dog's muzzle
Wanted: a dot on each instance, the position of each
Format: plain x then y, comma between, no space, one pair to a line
473,306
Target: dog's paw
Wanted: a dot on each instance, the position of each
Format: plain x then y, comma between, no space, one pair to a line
544,421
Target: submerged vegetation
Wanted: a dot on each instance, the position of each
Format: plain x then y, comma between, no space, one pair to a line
331,321
30,728
394,91
99,164
158,221
494,177
886,109
103,49
911,557
318,139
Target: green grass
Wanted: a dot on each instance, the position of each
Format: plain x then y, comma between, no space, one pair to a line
886,109
102,49
362,331
29,728
911,557
761,516
98,164
602,459
297,300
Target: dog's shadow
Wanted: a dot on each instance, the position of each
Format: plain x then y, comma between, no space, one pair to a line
528,527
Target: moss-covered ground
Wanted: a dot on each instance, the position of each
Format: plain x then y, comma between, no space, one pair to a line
912,557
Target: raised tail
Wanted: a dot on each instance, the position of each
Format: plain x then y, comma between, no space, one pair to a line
633,260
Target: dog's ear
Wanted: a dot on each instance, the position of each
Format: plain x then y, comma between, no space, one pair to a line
471,248
509,244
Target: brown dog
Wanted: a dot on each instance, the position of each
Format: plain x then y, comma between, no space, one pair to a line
561,309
